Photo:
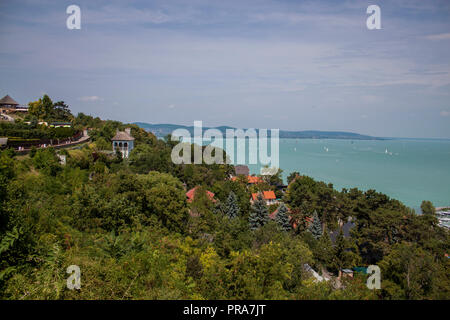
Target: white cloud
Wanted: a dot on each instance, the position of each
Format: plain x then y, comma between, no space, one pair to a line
171,106
90,99
445,113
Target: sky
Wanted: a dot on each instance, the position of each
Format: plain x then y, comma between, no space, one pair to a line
291,65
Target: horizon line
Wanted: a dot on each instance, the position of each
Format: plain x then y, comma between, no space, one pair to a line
303,130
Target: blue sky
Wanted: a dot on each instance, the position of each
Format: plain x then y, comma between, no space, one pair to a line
293,65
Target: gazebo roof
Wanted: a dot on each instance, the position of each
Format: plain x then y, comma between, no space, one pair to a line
7,100
122,136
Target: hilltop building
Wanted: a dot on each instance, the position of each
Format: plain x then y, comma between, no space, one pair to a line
8,104
123,141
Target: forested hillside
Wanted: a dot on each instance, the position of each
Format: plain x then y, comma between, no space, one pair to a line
129,227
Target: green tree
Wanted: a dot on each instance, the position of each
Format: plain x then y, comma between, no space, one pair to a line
36,108
282,218
292,176
427,207
164,196
258,214
323,252
61,111
408,272
45,109
343,256
232,208
316,226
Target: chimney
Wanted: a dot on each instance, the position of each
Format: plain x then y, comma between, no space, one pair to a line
128,130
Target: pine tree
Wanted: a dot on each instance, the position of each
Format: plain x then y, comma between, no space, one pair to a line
324,250
282,219
340,252
259,215
316,226
232,208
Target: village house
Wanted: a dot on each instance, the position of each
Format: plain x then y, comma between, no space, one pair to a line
190,197
241,170
268,196
347,273
191,194
346,227
250,179
123,142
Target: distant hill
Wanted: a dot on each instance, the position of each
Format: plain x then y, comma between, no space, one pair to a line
162,130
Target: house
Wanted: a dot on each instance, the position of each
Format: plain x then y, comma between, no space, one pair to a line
191,194
347,273
123,142
268,196
241,170
251,179
346,227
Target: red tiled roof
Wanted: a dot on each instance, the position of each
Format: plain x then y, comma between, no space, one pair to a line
254,179
273,214
267,195
191,193
250,179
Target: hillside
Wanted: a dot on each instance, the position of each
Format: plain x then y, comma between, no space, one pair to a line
162,130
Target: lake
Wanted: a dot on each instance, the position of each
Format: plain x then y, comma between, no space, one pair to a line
407,170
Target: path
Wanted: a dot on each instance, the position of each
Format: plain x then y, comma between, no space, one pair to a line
85,137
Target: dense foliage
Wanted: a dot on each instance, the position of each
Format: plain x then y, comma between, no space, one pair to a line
127,225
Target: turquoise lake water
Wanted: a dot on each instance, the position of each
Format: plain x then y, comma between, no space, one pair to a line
410,170
407,170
